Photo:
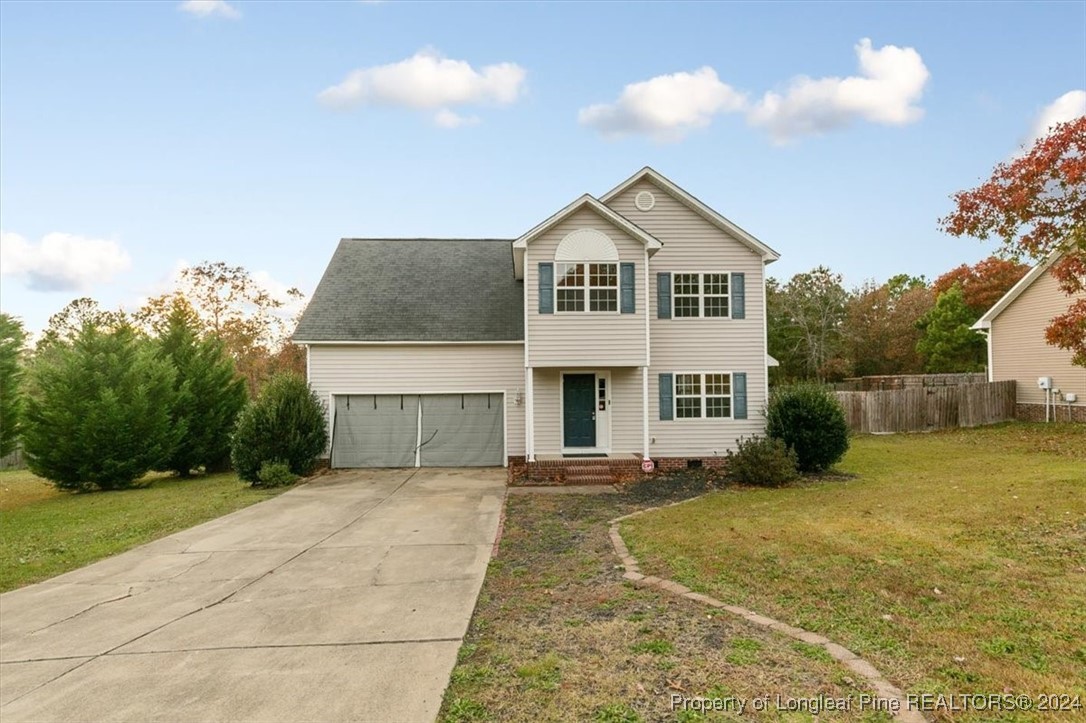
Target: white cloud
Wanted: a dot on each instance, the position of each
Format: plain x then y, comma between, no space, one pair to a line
210,8
61,261
446,118
1067,107
887,91
664,107
427,81
890,83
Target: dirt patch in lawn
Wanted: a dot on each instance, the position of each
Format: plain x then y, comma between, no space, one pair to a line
559,635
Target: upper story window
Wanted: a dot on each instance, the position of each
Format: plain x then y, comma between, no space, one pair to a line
586,286
700,295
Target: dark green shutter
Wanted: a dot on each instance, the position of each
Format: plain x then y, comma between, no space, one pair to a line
663,296
666,404
739,395
739,296
546,287
626,286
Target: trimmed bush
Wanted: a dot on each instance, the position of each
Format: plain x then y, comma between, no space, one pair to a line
98,411
808,419
285,424
276,474
763,462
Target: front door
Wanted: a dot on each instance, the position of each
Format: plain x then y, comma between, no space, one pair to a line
579,410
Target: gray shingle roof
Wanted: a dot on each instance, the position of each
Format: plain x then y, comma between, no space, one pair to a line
417,290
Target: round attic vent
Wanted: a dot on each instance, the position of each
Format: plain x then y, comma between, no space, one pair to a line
644,201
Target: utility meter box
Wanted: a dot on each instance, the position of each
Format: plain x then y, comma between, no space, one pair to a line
1070,397
1044,382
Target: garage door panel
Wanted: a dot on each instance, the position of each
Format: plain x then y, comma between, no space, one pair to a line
462,430
375,430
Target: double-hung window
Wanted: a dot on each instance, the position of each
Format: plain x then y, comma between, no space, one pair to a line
700,295
586,287
700,396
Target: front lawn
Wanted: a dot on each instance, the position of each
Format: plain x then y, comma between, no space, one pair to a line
44,532
558,635
954,561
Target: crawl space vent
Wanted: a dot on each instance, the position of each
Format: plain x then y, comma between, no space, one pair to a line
644,201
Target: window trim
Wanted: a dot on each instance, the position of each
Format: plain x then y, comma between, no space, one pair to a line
701,294
730,396
588,287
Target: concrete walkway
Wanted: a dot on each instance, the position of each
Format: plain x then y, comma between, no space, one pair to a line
344,599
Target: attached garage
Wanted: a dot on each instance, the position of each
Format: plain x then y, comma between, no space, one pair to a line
418,430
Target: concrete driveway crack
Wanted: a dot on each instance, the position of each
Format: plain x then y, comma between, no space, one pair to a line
86,610
221,600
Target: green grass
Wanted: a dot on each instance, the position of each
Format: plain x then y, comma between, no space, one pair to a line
954,561
44,532
558,635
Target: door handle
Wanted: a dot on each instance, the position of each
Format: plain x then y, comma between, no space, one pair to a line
593,416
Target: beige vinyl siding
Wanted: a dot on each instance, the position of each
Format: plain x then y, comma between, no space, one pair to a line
600,339
421,369
693,244
547,393
625,409
626,415
1019,349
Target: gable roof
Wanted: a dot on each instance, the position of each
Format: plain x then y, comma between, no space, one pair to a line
768,255
985,321
416,290
652,243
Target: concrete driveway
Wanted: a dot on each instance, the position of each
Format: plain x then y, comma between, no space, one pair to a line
342,600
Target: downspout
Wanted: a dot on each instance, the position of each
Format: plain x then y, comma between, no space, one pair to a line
645,455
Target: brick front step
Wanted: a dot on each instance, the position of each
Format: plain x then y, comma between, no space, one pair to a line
575,470
586,479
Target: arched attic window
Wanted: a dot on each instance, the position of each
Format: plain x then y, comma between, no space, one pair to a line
586,272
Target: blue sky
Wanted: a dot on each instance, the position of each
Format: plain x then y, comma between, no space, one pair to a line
135,137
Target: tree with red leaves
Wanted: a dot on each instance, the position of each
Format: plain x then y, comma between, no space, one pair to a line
1036,205
984,283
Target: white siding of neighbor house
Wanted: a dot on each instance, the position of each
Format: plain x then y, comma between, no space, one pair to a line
1019,349
693,244
625,409
424,368
585,339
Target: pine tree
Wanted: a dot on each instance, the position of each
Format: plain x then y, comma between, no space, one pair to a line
209,394
12,337
98,410
948,343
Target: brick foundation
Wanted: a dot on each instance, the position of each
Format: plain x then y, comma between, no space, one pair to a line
671,464
1036,412
602,470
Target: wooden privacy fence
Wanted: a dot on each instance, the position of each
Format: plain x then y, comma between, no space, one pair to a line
907,381
922,408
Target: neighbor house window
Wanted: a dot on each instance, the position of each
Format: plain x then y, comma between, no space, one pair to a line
700,396
591,287
700,295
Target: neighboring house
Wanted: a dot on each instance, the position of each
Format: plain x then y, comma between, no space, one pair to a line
1017,349
629,326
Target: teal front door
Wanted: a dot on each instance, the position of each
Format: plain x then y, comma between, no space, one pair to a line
579,410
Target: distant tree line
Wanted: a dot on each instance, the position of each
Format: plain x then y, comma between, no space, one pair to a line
818,329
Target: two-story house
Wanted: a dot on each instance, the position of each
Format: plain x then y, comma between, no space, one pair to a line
627,327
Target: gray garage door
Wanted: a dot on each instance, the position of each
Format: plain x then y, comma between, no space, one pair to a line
375,431
448,430
462,430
